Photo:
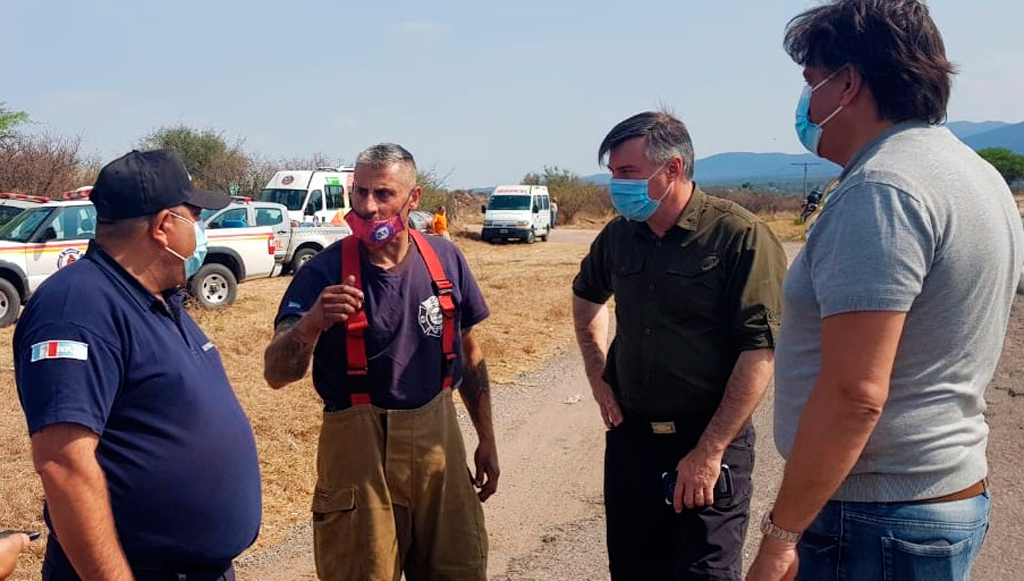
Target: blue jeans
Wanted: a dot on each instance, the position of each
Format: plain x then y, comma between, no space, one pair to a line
860,541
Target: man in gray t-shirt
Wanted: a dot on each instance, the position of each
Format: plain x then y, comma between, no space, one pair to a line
894,313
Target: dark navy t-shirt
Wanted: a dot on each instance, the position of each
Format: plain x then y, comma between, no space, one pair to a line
95,348
403,341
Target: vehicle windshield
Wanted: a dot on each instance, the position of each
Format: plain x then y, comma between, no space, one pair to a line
22,226
509,203
294,200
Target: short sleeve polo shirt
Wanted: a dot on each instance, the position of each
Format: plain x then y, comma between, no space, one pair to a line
96,349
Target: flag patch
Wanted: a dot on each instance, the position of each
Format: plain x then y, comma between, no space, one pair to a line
60,350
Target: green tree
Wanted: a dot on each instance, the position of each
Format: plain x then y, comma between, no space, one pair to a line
212,161
577,199
10,120
1009,164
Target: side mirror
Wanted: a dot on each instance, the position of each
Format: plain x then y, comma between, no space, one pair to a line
49,234
483,209
536,209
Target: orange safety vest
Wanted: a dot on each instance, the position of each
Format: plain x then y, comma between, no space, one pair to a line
356,325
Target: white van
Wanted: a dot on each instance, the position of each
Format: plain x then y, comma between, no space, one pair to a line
517,212
311,195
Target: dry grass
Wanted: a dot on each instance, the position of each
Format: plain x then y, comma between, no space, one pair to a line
527,287
785,226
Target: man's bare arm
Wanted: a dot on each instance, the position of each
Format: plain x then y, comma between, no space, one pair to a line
79,505
476,386
699,470
476,394
746,387
287,357
591,323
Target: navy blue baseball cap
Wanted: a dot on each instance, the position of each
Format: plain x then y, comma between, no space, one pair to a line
142,183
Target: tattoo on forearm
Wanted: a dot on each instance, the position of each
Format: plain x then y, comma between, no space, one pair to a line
476,393
287,358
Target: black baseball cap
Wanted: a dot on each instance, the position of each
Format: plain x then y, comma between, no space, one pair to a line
142,183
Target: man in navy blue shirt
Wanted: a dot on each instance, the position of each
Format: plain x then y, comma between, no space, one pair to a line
393,491
147,460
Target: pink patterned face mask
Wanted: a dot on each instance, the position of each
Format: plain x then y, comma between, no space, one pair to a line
376,233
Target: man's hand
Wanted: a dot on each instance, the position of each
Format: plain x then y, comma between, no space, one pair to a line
776,561
610,411
487,471
695,483
335,305
10,548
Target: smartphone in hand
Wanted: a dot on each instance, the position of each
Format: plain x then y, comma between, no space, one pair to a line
723,487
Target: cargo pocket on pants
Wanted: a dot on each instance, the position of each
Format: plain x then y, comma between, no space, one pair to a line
335,539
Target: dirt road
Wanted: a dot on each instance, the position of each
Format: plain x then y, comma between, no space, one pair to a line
546,522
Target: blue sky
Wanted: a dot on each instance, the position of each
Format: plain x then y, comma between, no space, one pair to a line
482,92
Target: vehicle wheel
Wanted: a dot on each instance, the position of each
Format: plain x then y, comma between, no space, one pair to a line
10,303
531,237
214,286
1020,287
301,258
547,233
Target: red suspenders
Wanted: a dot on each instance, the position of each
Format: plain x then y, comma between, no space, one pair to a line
355,341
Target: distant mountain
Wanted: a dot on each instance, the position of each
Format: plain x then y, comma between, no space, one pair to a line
756,168
783,171
1011,137
965,129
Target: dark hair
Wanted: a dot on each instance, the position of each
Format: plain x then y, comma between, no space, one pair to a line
665,136
893,44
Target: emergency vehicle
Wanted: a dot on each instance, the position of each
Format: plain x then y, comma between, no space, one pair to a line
520,212
12,204
313,196
295,243
51,235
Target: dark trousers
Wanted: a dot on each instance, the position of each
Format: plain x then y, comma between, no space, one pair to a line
56,567
647,540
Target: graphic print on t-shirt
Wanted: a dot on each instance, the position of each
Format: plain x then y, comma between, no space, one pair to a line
430,317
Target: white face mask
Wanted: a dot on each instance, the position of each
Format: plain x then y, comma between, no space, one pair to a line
192,263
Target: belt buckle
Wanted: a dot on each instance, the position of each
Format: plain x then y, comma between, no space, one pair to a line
663,427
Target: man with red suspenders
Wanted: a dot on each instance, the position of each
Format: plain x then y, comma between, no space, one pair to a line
386,316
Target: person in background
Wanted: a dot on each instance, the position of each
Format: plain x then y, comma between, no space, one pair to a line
439,225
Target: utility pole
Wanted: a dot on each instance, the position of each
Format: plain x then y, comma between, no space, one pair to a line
805,164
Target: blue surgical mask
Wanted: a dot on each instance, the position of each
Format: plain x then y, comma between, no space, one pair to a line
631,200
809,132
192,263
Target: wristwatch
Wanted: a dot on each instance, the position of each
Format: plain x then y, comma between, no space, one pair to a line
770,529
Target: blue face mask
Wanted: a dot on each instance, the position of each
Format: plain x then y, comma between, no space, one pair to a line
809,132
631,200
192,263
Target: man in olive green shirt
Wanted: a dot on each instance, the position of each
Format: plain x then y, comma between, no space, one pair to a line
697,282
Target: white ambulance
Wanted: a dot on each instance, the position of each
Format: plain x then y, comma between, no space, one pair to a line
49,236
311,196
517,212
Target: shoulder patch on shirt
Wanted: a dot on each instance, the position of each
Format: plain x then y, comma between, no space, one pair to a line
59,349
209,345
294,305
